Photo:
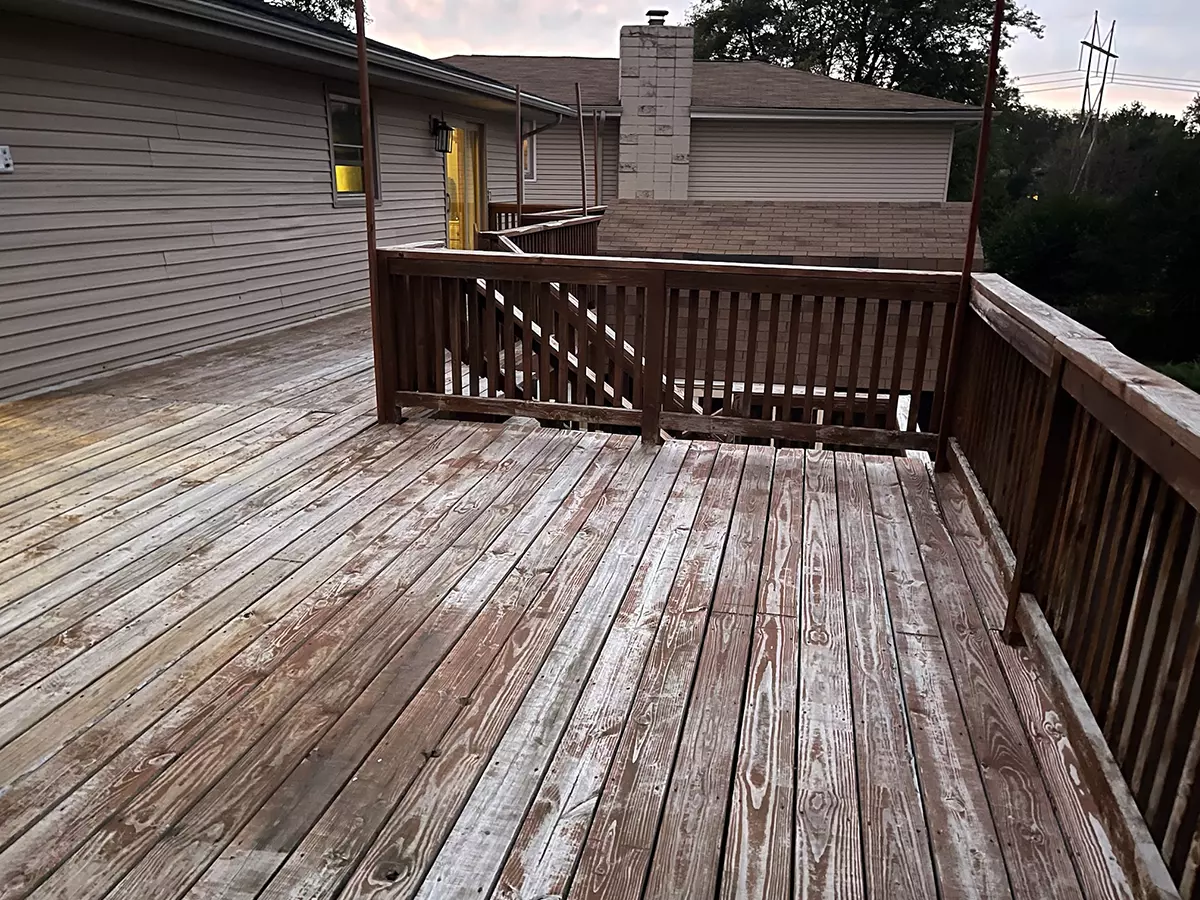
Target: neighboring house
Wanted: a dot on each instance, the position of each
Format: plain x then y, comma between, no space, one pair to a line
674,128
190,171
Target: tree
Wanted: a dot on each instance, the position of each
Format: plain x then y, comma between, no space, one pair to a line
1191,116
336,12
934,47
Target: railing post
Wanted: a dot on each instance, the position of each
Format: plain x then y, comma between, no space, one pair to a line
652,376
386,366
1037,507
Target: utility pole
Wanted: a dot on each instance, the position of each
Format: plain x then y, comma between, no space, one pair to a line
1100,57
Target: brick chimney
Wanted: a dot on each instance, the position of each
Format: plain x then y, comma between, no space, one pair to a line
656,100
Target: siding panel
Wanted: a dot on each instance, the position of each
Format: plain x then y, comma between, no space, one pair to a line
817,161
165,199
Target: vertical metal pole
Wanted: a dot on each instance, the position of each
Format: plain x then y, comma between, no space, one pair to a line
941,461
596,156
582,153
520,164
383,341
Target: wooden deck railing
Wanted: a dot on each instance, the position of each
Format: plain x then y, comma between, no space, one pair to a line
502,214
572,236
849,357
1090,463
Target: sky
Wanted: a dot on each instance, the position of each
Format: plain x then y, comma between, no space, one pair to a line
1153,37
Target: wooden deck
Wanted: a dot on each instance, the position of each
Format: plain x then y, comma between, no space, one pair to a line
253,645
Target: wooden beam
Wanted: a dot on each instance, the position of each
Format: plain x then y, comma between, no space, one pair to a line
582,153
520,159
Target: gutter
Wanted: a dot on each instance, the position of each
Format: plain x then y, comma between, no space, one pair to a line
266,26
966,114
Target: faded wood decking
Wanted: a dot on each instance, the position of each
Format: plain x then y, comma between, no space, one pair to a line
252,645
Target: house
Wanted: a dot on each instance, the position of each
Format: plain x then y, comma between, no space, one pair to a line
674,128
185,173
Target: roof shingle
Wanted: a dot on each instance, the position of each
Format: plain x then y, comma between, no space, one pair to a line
744,85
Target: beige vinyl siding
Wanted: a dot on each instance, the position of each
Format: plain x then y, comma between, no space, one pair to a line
557,158
610,159
748,160
165,199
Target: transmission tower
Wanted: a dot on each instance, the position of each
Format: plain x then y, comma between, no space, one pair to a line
1101,65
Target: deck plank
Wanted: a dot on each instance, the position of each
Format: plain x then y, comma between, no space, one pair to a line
895,838
323,734
757,860
828,842
615,858
1078,814
1030,836
687,855
545,853
111,851
966,850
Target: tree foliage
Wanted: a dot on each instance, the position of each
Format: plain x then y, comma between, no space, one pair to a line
934,47
336,12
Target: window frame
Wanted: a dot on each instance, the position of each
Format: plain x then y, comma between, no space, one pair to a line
345,198
530,175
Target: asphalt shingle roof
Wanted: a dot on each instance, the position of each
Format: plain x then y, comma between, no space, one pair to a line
747,85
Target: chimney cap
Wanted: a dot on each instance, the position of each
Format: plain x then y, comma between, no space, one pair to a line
657,16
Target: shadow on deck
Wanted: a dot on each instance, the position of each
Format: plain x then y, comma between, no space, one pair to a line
254,645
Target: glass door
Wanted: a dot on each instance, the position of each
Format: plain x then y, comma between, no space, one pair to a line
463,189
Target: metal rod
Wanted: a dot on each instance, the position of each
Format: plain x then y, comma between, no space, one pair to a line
596,156
382,390
582,150
520,163
941,460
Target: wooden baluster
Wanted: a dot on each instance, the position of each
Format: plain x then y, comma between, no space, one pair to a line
939,384
490,351
814,348
421,332
475,304
529,389
401,294
860,309
510,351
693,328
655,312
606,362
795,312
638,341
672,324
562,334
710,350
441,305
873,379
772,351
623,377
457,311
547,377
751,354
898,365
835,352
731,345
588,357
918,382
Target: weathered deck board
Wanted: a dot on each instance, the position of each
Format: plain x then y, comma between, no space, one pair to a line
253,647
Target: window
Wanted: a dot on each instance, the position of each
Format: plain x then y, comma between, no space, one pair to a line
345,138
529,152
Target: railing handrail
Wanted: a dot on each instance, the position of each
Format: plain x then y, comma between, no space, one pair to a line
537,227
1039,332
937,286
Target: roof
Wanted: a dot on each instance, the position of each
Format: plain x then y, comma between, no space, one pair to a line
716,85
917,234
257,29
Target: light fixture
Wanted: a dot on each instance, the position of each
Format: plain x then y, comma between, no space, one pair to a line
443,134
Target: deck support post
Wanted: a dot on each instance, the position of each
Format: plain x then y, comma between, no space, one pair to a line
1037,506
583,207
652,376
520,163
941,460
383,340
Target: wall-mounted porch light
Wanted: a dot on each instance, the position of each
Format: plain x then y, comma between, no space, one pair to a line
443,134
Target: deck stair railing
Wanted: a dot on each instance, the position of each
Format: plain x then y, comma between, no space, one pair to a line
852,357
502,214
573,236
